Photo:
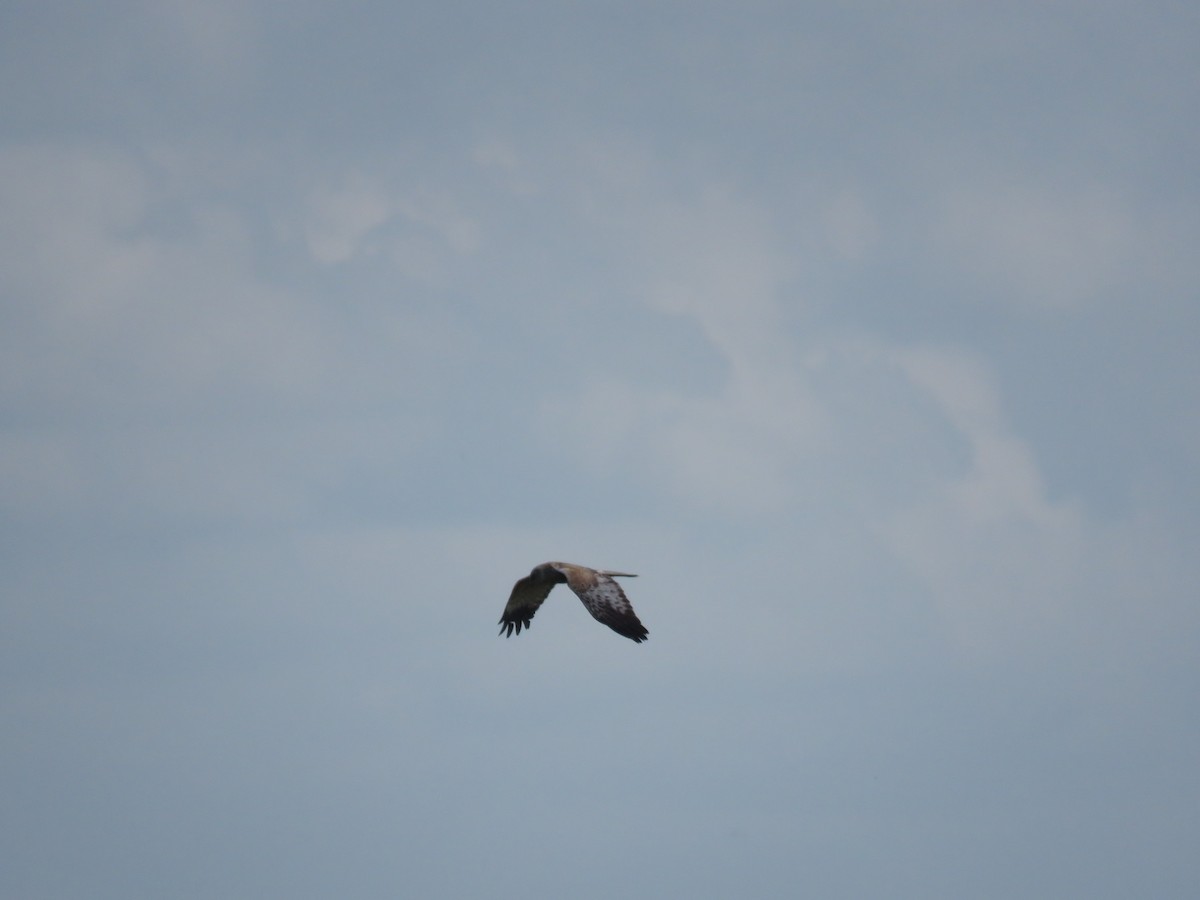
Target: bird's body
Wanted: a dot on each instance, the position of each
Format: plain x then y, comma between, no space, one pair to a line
601,595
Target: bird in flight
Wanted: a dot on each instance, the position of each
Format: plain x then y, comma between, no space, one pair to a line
601,595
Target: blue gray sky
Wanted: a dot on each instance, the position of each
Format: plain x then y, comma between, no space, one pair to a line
864,333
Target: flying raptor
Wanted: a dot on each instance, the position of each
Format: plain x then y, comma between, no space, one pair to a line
601,595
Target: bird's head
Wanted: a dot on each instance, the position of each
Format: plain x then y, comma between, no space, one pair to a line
546,572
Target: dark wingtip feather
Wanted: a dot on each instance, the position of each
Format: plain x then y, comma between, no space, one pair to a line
634,630
507,627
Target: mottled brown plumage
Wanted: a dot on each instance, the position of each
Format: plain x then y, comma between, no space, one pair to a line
601,595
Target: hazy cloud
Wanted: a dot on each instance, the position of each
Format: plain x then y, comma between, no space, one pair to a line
863,336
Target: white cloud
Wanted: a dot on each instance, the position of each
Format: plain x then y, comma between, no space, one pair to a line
1002,560
142,285
712,260
729,451
158,371
1042,248
338,219
423,233
907,451
501,160
715,259
127,310
61,211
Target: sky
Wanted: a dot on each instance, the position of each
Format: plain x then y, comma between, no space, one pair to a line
863,332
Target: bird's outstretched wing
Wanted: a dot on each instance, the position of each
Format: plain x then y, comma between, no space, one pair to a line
605,600
527,595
